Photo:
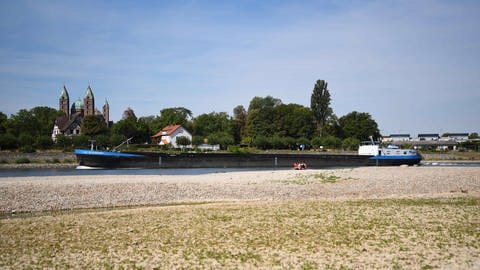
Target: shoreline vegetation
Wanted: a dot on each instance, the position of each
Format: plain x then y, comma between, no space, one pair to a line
368,217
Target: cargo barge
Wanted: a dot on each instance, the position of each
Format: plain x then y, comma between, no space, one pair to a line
108,159
369,154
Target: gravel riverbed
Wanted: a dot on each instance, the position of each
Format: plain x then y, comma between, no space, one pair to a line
25,194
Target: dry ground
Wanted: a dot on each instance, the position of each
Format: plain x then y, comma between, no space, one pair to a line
365,218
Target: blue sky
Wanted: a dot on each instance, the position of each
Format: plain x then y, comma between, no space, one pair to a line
413,65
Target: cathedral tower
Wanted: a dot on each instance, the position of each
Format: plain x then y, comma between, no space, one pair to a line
106,112
64,102
89,103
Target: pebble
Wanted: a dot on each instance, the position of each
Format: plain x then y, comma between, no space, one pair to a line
44,193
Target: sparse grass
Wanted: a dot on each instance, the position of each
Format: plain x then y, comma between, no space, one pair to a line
305,179
68,160
399,234
52,161
22,160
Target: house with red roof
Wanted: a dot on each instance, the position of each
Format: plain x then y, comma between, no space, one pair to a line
169,134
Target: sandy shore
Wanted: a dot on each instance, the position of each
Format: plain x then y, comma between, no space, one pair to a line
18,194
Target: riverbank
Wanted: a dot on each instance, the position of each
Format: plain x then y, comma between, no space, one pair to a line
46,193
37,160
361,218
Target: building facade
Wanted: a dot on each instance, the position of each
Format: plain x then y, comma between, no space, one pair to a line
169,134
70,123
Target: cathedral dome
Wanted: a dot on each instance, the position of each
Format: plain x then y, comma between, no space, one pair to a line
77,105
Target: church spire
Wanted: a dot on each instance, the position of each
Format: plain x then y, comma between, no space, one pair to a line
64,102
106,112
89,102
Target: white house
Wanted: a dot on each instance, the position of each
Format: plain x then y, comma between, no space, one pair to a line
400,137
169,134
428,137
457,137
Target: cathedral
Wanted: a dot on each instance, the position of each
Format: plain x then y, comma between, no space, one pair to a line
70,123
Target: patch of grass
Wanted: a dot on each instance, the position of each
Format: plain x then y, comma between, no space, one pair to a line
3,161
22,160
300,234
309,266
68,160
305,179
52,161
324,178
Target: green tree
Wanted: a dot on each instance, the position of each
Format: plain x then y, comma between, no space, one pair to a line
8,141
81,141
262,142
224,139
24,122
131,128
143,130
332,126
3,122
259,103
206,124
126,128
173,116
26,139
116,139
150,122
359,125
45,117
64,142
103,141
330,142
93,125
293,120
43,142
350,143
260,119
240,120
183,141
320,104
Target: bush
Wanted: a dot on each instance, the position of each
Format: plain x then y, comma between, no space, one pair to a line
331,142
81,141
222,138
8,141
183,141
282,142
317,142
27,149
68,160
43,142
64,142
22,160
306,142
53,160
238,150
350,144
26,139
261,142
116,139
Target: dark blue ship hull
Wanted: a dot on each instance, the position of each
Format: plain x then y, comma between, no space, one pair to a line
394,160
106,159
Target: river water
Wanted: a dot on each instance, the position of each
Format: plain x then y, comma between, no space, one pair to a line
195,171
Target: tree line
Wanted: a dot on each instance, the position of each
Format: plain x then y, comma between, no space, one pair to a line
267,123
